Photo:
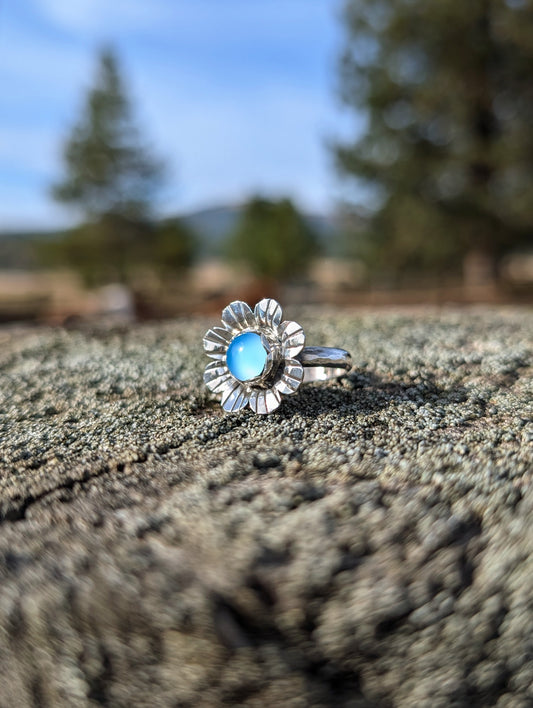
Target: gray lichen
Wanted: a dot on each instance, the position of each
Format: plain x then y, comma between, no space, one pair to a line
368,544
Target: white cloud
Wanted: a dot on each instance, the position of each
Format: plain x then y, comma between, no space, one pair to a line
86,17
35,65
205,18
228,144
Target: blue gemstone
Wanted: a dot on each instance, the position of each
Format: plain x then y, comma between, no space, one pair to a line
246,356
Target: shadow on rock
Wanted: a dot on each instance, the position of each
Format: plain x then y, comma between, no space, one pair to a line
367,392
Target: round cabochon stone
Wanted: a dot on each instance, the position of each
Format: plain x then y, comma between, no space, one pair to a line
246,357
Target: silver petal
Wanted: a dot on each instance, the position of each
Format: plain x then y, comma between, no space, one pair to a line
233,399
217,377
292,377
237,315
292,338
216,342
264,400
268,312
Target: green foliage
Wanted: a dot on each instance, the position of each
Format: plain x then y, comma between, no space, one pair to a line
174,247
116,249
108,169
447,150
104,250
273,240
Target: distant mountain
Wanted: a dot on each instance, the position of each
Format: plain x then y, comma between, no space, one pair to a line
17,249
212,226
215,224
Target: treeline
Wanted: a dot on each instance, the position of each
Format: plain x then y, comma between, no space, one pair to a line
271,239
439,177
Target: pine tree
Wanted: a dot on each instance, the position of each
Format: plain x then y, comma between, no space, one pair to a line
447,151
111,179
273,239
108,168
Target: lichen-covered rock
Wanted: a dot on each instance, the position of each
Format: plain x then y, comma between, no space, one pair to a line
368,544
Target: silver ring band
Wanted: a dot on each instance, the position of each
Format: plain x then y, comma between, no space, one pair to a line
324,363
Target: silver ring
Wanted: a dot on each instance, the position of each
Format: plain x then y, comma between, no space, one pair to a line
258,358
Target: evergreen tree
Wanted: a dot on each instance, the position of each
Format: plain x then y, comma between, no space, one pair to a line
447,150
108,169
174,248
112,179
273,240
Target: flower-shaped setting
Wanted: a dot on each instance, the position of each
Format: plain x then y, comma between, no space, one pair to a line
254,357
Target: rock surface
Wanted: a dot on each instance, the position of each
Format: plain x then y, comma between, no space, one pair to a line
369,544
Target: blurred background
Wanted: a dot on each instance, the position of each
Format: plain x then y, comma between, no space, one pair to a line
163,158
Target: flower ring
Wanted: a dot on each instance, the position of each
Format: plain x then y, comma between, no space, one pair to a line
257,358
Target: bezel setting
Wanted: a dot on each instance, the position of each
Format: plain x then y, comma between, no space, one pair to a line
282,374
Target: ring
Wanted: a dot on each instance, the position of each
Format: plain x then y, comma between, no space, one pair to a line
257,358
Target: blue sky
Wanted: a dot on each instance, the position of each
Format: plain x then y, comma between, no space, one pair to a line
237,95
